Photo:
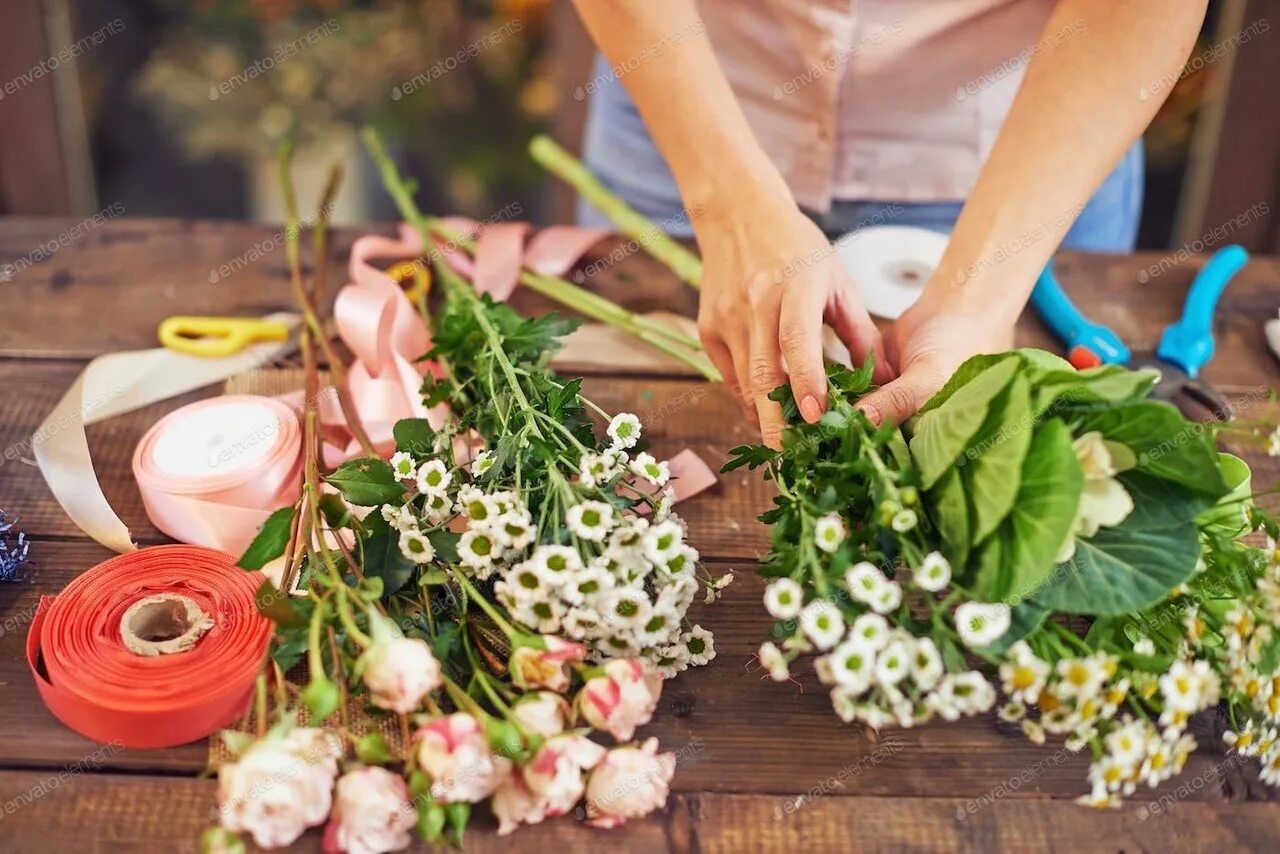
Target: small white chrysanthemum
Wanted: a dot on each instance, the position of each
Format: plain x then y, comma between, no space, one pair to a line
645,466
556,563
482,463
598,469
823,623
887,598
624,430
870,631
627,606
772,659
663,541
403,465
864,581
1023,674
1080,678
515,527
1273,443
934,573
479,508
700,644
851,665
590,520
893,663
783,598
717,586
1144,646
433,478
904,520
829,532
400,518
476,548
926,663
982,623
416,547
437,508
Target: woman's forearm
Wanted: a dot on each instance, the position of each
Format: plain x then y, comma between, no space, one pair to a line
1099,73
660,51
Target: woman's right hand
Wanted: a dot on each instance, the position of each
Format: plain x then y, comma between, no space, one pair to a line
770,280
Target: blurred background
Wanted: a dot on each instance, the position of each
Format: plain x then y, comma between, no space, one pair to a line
172,109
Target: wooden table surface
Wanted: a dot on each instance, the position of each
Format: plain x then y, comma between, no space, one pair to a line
762,766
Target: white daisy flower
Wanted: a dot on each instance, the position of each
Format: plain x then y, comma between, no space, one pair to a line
822,622
716,587
627,607
548,614
982,623
864,581
437,508
526,583
648,468
1144,646
934,573
926,663
772,659
403,465
590,520
1080,678
476,548
904,520
851,665
400,518
663,541
700,645
888,598
477,507
1023,674
581,623
586,585
870,631
482,463
598,469
663,510
783,598
829,532
893,663
416,547
433,478
556,563
624,430
515,527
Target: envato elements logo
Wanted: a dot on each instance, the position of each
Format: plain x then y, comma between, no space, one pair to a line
62,241
644,57
263,248
62,57
1016,63
1206,57
1206,241
460,58
840,58
625,250
282,54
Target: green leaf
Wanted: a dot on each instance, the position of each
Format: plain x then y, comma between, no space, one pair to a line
337,513
1135,564
943,434
431,817
1044,512
963,375
372,749
951,512
445,543
994,458
459,814
275,605
321,697
751,456
383,559
1227,517
271,541
990,568
1166,444
414,436
367,481
563,400
1113,384
504,737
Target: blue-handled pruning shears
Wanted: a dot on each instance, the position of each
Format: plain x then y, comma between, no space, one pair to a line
1186,346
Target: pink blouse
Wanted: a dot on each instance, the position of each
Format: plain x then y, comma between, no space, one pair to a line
877,99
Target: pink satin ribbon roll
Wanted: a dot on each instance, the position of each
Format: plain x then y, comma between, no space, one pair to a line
211,472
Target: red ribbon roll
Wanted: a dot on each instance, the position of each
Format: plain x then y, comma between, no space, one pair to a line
95,685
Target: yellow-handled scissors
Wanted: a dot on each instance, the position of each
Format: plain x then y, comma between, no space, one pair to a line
214,337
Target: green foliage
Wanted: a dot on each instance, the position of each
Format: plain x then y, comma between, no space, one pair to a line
271,540
384,560
367,482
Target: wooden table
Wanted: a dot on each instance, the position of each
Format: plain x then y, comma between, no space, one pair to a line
762,766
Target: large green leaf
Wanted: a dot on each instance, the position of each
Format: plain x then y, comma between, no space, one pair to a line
271,540
1045,510
990,568
1114,384
414,436
971,368
367,481
992,464
1135,564
1165,443
942,435
1227,518
951,512
383,559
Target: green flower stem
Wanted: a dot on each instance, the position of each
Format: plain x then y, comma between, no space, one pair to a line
314,660
260,703
484,604
464,700
629,221
348,618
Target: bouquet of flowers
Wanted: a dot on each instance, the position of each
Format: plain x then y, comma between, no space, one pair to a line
505,586
932,571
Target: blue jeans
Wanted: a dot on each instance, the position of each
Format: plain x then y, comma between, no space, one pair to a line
618,149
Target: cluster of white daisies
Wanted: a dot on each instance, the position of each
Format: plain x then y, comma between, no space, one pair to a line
589,570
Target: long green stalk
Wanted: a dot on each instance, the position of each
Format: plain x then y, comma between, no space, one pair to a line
651,238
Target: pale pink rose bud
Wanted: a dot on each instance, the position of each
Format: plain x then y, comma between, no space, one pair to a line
543,713
514,803
453,750
371,813
628,783
555,772
279,787
399,673
546,668
621,699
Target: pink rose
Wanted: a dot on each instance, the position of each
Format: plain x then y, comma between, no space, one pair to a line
628,783
621,699
371,813
514,803
453,750
543,713
279,786
555,772
545,668
399,672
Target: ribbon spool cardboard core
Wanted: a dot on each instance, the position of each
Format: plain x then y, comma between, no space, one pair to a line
163,624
